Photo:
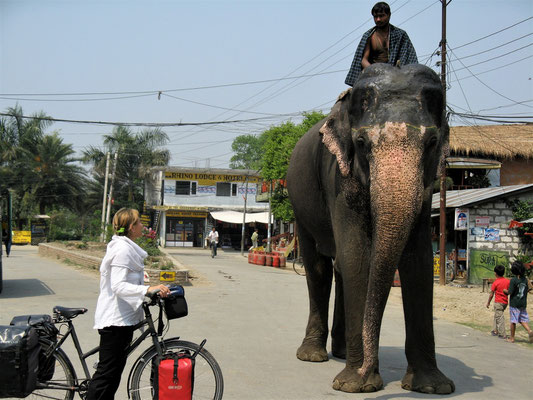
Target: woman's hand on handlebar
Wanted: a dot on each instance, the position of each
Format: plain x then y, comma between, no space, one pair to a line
161,290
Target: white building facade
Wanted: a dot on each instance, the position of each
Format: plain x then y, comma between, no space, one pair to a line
180,201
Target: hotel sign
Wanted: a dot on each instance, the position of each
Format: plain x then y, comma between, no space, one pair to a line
210,179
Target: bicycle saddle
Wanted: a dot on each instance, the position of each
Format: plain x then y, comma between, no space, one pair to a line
68,313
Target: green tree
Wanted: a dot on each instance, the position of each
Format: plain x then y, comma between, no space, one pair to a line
248,152
55,178
137,152
277,144
38,168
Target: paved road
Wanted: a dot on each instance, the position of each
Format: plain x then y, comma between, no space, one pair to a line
254,318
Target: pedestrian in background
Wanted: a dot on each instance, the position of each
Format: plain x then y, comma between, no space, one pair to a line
500,301
255,237
517,291
122,292
213,241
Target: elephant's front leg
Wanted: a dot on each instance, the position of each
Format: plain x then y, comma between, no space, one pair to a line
416,274
353,261
319,275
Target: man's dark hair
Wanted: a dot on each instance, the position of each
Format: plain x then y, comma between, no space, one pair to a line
517,268
499,269
381,7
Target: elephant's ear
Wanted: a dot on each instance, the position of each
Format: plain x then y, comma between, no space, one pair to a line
334,135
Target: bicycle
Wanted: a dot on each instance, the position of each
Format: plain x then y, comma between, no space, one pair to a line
208,380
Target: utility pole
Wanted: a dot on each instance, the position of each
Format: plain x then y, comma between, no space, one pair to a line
442,237
111,190
102,226
244,217
269,234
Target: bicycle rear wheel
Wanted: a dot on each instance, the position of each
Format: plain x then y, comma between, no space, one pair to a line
208,381
63,380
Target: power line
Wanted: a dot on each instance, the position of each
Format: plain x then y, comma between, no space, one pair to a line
490,59
157,92
497,47
494,69
147,124
492,34
487,86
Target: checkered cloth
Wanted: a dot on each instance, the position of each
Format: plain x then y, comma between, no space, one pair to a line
400,49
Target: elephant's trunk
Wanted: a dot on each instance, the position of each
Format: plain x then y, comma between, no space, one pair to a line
396,191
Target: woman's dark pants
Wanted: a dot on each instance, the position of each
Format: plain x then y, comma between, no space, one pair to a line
111,363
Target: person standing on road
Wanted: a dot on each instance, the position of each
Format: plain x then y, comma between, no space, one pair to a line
517,291
122,291
213,241
384,43
500,301
255,237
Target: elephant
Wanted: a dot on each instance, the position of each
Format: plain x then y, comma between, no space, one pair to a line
361,182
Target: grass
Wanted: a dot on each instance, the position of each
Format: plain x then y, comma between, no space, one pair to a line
521,336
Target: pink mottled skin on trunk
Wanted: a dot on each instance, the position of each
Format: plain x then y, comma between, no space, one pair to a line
396,191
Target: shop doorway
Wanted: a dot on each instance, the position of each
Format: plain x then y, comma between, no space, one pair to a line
184,232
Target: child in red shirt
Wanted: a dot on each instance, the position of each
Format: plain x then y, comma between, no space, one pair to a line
500,301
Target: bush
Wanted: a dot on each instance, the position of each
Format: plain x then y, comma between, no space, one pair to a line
148,242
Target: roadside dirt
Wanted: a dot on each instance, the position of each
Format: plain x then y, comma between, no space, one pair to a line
467,305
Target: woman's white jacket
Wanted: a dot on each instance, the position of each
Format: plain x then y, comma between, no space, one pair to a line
122,286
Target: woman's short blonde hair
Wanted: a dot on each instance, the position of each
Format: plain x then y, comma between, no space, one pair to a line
123,219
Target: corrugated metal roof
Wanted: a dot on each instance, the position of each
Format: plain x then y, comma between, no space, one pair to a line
462,198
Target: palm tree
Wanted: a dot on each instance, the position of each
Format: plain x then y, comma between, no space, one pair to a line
27,164
137,152
55,178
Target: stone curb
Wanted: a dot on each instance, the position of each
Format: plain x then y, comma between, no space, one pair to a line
49,250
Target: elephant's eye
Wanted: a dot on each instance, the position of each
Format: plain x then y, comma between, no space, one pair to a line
432,141
360,142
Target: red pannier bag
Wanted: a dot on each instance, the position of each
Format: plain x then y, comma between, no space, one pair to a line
174,376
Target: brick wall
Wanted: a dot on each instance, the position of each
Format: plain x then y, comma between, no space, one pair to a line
49,250
499,218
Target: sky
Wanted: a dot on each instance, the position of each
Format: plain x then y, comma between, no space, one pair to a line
238,67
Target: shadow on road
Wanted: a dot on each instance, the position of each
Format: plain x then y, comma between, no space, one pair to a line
465,378
17,288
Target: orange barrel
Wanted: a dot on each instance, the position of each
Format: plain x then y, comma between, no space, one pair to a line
254,259
268,259
396,281
250,257
261,258
282,261
275,260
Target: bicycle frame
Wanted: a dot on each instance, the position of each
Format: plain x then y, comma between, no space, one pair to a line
71,331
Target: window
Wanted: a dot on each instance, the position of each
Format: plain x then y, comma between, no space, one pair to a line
226,189
185,188
223,189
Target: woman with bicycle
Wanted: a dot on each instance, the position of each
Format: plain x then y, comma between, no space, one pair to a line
122,291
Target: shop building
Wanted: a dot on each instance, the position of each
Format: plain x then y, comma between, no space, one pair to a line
184,203
490,167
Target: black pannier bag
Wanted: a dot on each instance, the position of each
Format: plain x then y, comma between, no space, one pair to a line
19,360
45,329
175,303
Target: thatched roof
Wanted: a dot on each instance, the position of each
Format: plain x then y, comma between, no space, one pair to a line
499,141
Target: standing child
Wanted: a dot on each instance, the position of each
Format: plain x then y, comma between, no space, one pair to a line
500,301
518,300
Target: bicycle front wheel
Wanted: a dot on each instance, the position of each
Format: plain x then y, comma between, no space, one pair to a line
57,378
208,381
